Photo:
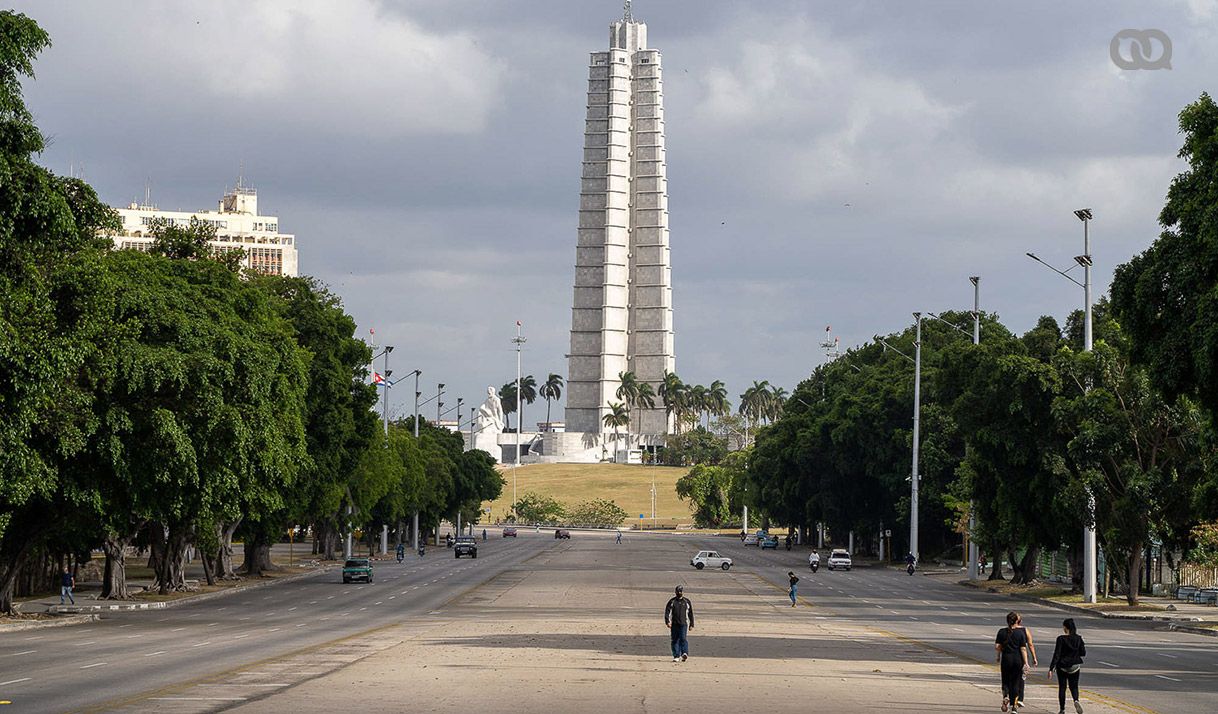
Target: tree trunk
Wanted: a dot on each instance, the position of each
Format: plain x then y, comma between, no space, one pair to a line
224,556
1028,566
1074,554
10,566
996,566
257,558
172,573
330,539
1135,574
114,581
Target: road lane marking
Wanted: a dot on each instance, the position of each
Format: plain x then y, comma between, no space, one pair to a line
95,664
957,629
379,602
15,681
392,597
82,644
177,629
18,654
1164,654
273,629
197,699
154,654
126,625
1109,664
212,624
291,609
200,644
1164,676
237,637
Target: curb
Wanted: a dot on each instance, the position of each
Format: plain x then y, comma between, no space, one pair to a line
1077,609
133,607
1193,630
39,624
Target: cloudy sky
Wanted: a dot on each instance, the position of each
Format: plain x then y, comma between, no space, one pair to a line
829,163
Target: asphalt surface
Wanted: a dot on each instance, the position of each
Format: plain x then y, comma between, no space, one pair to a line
106,663
129,656
1138,663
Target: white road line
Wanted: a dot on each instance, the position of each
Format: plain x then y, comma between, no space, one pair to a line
222,609
957,629
82,644
212,624
197,699
379,602
273,629
131,637
291,609
1164,676
1109,664
363,608
393,597
15,681
126,625
95,664
177,629
330,598
237,637
154,654
18,654
200,644
1164,654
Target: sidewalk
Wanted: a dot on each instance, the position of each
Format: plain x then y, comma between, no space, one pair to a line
583,628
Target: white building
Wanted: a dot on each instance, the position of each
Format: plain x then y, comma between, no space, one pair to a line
622,318
237,224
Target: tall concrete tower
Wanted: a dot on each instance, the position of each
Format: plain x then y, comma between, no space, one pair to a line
621,320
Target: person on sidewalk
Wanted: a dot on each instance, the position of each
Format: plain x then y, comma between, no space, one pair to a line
679,618
1011,649
619,537
1067,661
794,590
66,583
1033,660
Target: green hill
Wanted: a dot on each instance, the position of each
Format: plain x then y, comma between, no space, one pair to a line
628,486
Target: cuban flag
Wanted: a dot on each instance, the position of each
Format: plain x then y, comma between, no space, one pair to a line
378,380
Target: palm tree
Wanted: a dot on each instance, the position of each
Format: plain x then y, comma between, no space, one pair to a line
778,398
552,389
528,389
628,392
717,395
507,399
697,401
753,402
672,391
618,416
645,399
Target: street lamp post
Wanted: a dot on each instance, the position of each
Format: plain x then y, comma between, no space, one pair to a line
973,551
519,342
1089,543
914,475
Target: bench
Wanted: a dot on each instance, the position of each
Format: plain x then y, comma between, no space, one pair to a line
1186,592
1207,596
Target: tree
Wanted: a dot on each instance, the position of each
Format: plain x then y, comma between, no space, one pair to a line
597,513
551,390
617,417
672,392
508,400
707,488
1166,298
535,508
716,396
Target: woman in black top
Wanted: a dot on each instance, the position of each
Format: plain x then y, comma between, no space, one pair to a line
1011,647
1067,661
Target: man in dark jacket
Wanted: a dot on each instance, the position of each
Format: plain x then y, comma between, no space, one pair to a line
679,618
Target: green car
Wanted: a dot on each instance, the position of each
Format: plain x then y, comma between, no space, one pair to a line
357,569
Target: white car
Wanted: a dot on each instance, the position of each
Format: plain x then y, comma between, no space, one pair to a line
711,559
752,539
839,558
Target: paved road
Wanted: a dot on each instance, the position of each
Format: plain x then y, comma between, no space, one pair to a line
1140,663
73,668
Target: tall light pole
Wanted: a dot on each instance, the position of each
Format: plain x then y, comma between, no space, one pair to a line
439,404
973,550
1089,544
917,421
519,342
417,394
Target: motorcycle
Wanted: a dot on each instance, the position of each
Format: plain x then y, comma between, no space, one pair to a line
910,569
421,550
401,557
815,565
788,543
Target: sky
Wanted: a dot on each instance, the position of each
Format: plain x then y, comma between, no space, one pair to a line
829,163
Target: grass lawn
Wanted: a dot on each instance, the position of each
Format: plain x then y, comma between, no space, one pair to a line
628,486
1109,604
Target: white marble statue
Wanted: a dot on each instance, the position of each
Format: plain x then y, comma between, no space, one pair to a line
490,415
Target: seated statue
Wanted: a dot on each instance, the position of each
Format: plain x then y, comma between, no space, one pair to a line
490,414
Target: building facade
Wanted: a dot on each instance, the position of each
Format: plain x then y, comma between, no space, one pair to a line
237,224
621,319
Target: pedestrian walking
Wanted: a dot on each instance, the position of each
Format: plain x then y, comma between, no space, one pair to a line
981,563
619,537
1034,661
794,587
679,618
1011,650
1067,662
66,583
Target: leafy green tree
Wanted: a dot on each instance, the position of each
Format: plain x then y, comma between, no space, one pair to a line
597,513
697,446
1166,298
536,508
707,488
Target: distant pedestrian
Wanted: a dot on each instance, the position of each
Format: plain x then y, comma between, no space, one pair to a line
1011,649
619,537
981,564
1067,661
794,591
66,583
679,618
484,535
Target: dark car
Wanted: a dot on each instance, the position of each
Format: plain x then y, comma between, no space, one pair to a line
509,532
562,533
466,545
357,569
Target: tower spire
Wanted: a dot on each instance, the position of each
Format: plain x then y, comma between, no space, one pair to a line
626,16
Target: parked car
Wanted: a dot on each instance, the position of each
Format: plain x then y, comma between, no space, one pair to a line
357,569
466,545
562,533
509,532
839,558
770,542
752,539
710,558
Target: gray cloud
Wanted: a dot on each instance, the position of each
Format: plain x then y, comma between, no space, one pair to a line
829,162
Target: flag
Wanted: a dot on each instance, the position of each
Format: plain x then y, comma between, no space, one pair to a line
378,380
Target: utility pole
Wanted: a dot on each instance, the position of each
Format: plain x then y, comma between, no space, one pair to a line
914,475
519,342
1090,554
973,551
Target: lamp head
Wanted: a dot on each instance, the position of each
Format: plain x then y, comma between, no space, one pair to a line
441,385
975,279
388,348
1084,214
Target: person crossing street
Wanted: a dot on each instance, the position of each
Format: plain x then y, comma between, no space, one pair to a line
794,591
679,618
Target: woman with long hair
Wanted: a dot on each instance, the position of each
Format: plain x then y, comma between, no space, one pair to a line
1011,651
1067,662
